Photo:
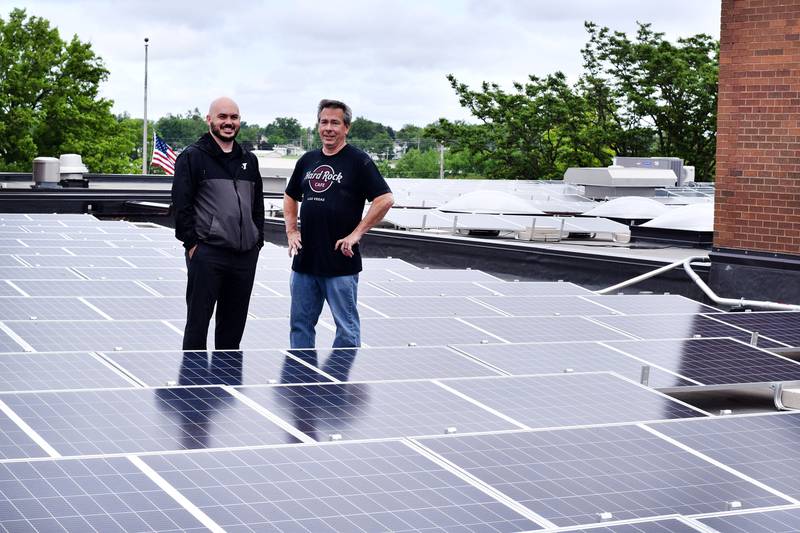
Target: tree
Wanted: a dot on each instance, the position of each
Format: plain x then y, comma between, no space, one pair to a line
657,98
284,130
535,132
179,131
49,101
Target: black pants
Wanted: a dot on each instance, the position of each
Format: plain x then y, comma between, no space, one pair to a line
221,277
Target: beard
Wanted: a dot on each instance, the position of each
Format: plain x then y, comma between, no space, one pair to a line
217,132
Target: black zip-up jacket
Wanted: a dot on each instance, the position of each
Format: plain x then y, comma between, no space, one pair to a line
215,205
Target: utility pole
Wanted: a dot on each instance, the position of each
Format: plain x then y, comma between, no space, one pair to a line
144,122
441,161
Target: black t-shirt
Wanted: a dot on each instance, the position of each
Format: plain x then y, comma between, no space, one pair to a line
333,190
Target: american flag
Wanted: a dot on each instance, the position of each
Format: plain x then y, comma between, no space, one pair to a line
163,156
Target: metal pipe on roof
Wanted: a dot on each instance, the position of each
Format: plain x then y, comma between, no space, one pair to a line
774,306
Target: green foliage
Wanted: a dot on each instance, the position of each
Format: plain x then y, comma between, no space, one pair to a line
534,132
284,130
657,98
179,131
644,97
49,102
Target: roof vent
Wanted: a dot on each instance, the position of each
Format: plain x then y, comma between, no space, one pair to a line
45,172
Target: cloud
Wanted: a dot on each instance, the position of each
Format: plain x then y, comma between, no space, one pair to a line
389,60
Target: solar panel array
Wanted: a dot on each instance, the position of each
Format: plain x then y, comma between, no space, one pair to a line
475,404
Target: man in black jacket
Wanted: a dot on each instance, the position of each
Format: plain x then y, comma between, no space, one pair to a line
217,194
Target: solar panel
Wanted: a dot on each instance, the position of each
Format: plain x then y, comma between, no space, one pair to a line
141,307
35,371
140,254
87,495
677,326
391,263
545,305
375,410
667,525
426,306
431,288
31,253
81,287
763,447
91,335
548,358
376,486
652,304
159,261
91,422
424,274
171,287
418,362
264,333
131,273
157,368
61,243
572,476
9,261
571,399
15,273
380,274
713,361
544,329
8,344
535,288
6,289
781,326
769,521
44,308
73,261
419,331
14,444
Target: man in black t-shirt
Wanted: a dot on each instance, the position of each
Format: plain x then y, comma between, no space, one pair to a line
333,184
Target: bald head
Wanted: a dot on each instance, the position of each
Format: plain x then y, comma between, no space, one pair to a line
223,121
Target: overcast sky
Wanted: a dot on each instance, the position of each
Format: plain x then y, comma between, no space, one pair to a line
388,60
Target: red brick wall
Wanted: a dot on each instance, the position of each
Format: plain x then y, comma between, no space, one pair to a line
758,127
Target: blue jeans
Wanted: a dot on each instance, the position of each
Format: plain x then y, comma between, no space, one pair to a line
309,293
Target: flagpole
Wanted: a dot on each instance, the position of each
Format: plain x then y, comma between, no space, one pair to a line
144,122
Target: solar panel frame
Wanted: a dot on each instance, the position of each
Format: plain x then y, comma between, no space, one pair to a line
671,326
87,495
426,306
376,486
759,521
375,410
655,304
26,371
133,273
94,335
81,288
393,363
26,272
569,476
249,367
713,361
739,442
135,420
545,305
552,357
780,326
45,308
71,261
431,288
420,331
571,399
545,329
535,288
